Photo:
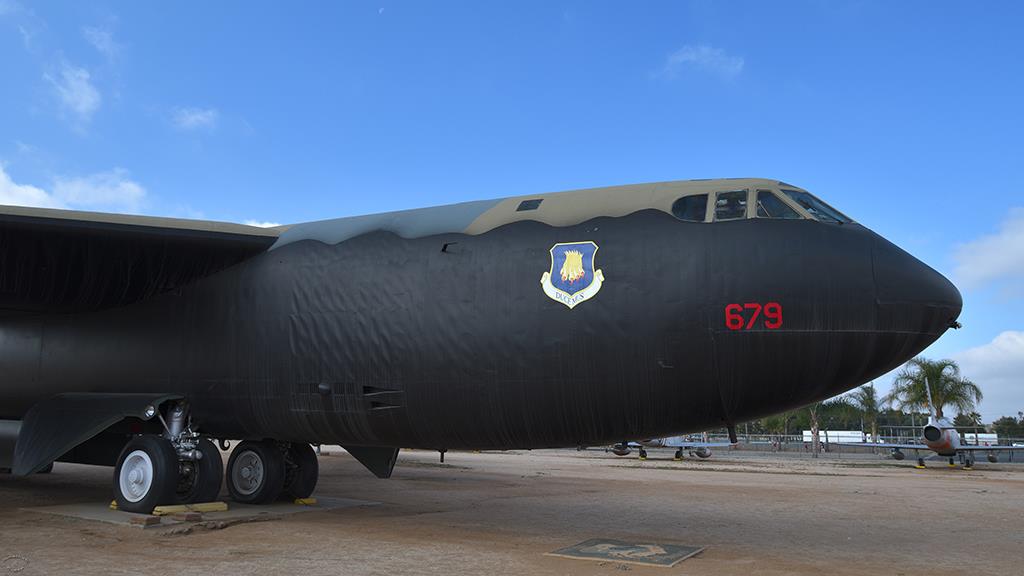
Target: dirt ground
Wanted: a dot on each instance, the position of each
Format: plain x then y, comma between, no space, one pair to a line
499,513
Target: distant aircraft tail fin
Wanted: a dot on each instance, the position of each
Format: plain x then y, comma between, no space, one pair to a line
931,403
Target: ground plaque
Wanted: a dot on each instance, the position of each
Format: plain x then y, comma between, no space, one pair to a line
647,553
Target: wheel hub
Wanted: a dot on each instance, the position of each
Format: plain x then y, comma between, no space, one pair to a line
136,476
247,475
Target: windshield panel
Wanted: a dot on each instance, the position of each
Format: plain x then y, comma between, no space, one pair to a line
731,205
771,206
821,211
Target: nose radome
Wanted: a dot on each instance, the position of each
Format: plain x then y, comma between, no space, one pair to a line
910,293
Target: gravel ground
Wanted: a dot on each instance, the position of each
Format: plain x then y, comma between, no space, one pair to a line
499,513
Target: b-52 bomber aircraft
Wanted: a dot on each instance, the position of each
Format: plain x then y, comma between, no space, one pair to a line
548,320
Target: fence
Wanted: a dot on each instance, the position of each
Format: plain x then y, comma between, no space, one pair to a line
768,443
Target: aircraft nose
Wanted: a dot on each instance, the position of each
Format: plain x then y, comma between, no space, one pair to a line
912,297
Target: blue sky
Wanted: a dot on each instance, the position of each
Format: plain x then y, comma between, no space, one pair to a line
907,116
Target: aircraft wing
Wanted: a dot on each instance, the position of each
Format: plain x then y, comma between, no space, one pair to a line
676,443
882,445
698,444
973,448
54,261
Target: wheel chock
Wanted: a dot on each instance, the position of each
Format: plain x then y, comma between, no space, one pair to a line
200,507
306,501
919,467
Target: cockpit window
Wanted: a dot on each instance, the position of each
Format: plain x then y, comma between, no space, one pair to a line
731,205
691,208
771,206
816,208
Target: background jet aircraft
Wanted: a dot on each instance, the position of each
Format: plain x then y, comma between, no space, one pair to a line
680,443
941,437
565,319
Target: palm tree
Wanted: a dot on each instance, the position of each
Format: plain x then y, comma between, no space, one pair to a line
865,400
942,378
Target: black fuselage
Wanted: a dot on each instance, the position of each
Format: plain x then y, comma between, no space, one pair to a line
449,341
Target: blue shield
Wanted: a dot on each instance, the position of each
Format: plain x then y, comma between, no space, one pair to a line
572,266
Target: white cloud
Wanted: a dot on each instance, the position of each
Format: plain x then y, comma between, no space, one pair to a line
76,92
111,190
998,368
13,194
705,58
261,224
993,257
102,40
195,118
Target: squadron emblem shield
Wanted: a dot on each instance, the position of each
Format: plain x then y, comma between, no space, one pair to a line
572,277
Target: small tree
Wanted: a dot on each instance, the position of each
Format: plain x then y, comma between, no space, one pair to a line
969,420
910,389
814,410
1009,427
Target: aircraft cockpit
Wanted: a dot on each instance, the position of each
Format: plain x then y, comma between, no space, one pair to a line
776,203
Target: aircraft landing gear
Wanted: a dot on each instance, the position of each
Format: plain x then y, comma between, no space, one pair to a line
263,471
200,480
302,469
952,463
969,463
146,475
679,454
175,467
643,454
920,462
256,472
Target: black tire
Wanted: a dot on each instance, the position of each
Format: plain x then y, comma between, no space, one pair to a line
202,480
162,470
264,480
302,472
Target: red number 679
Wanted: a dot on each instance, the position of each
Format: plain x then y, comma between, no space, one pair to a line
745,316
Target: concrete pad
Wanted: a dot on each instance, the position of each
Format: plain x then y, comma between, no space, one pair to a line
101,512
